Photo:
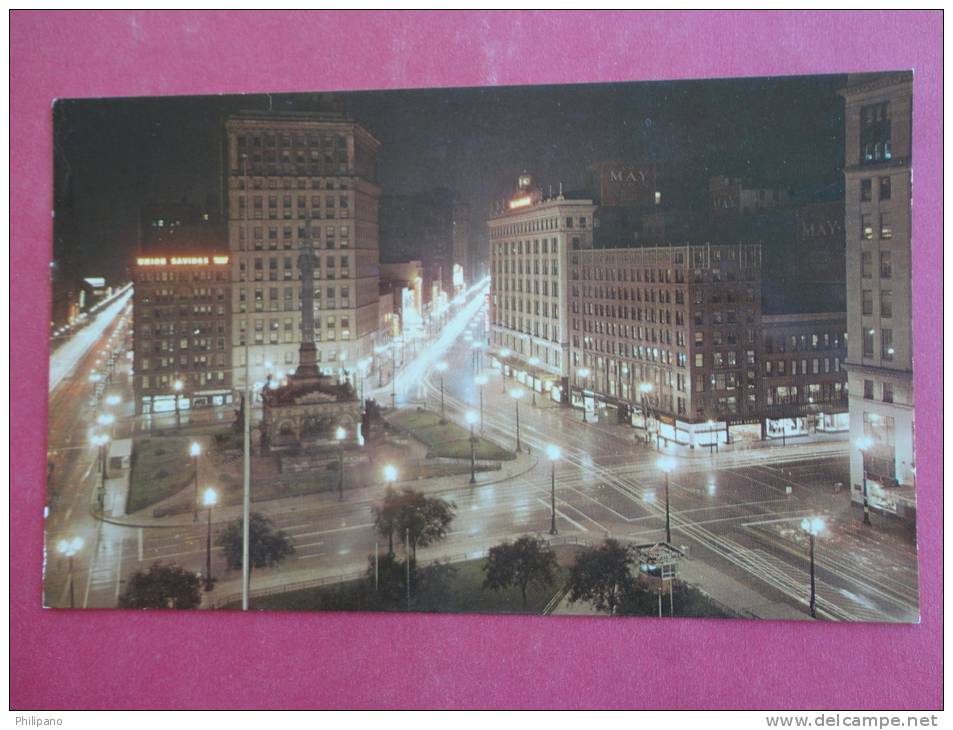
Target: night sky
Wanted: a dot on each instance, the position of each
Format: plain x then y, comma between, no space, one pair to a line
112,156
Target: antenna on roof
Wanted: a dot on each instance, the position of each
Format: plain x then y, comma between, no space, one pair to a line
560,188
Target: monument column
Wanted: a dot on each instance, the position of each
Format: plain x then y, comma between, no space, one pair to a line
307,352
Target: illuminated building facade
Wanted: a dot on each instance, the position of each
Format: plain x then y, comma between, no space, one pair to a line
530,241
668,338
182,332
296,180
877,172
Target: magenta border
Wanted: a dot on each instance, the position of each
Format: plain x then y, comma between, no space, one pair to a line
124,660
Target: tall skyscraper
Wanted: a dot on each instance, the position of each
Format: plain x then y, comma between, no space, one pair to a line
877,170
295,178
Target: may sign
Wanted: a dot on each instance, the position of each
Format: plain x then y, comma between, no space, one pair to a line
625,183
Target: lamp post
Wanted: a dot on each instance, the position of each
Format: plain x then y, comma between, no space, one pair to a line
209,500
442,368
516,394
863,444
666,465
644,390
534,363
177,387
477,356
194,450
481,380
100,440
393,377
712,438
504,353
813,526
69,548
552,451
340,434
584,373
472,418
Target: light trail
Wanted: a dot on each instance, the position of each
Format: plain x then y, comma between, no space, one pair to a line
63,362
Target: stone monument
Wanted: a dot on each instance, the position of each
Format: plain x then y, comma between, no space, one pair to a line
302,417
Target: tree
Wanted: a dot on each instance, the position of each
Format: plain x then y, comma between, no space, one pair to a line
385,516
525,561
161,586
601,576
418,520
265,546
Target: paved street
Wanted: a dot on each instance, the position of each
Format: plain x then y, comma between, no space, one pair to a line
731,511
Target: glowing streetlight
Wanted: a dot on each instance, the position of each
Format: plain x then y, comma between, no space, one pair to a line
584,374
209,500
390,474
864,443
552,451
340,434
472,418
113,400
481,380
813,526
69,548
195,449
534,363
667,464
177,387
106,419
516,394
442,368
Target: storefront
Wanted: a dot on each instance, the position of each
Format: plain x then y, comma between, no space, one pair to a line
832,422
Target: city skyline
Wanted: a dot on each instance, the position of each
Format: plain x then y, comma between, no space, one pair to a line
114,156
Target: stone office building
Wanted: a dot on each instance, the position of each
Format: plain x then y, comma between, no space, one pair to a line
296,178
804,379
877,172
530,240
181,332
668,338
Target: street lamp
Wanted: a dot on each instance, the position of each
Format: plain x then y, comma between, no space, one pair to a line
177,387
472,418
113,400
442,368
516,394
481,380
100,440
552,451
584,373
864,443
644,390
209,500
504,353
667,464
534,363
194,450
390,474
340,434
106,419
813,526
69,548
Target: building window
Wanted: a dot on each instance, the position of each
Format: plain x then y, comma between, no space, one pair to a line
886,225
869,389
866,264
886,344
866,186
886,303
875,133
866,227
867,302
886,268
868,343
887,393
885,188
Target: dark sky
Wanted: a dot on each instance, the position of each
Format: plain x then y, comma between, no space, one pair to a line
113,155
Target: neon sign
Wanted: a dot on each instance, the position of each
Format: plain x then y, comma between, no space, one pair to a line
520,202
181,260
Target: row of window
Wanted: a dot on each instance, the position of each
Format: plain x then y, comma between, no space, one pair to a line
867,264
886,303
886,343
287,183
182,362
516,248
506,267
813,341
867,189
177,343
867,226
288,139
199,379
542,287
779,368
886,391
159,275
538,224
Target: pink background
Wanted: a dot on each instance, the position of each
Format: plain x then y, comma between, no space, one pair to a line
111,659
